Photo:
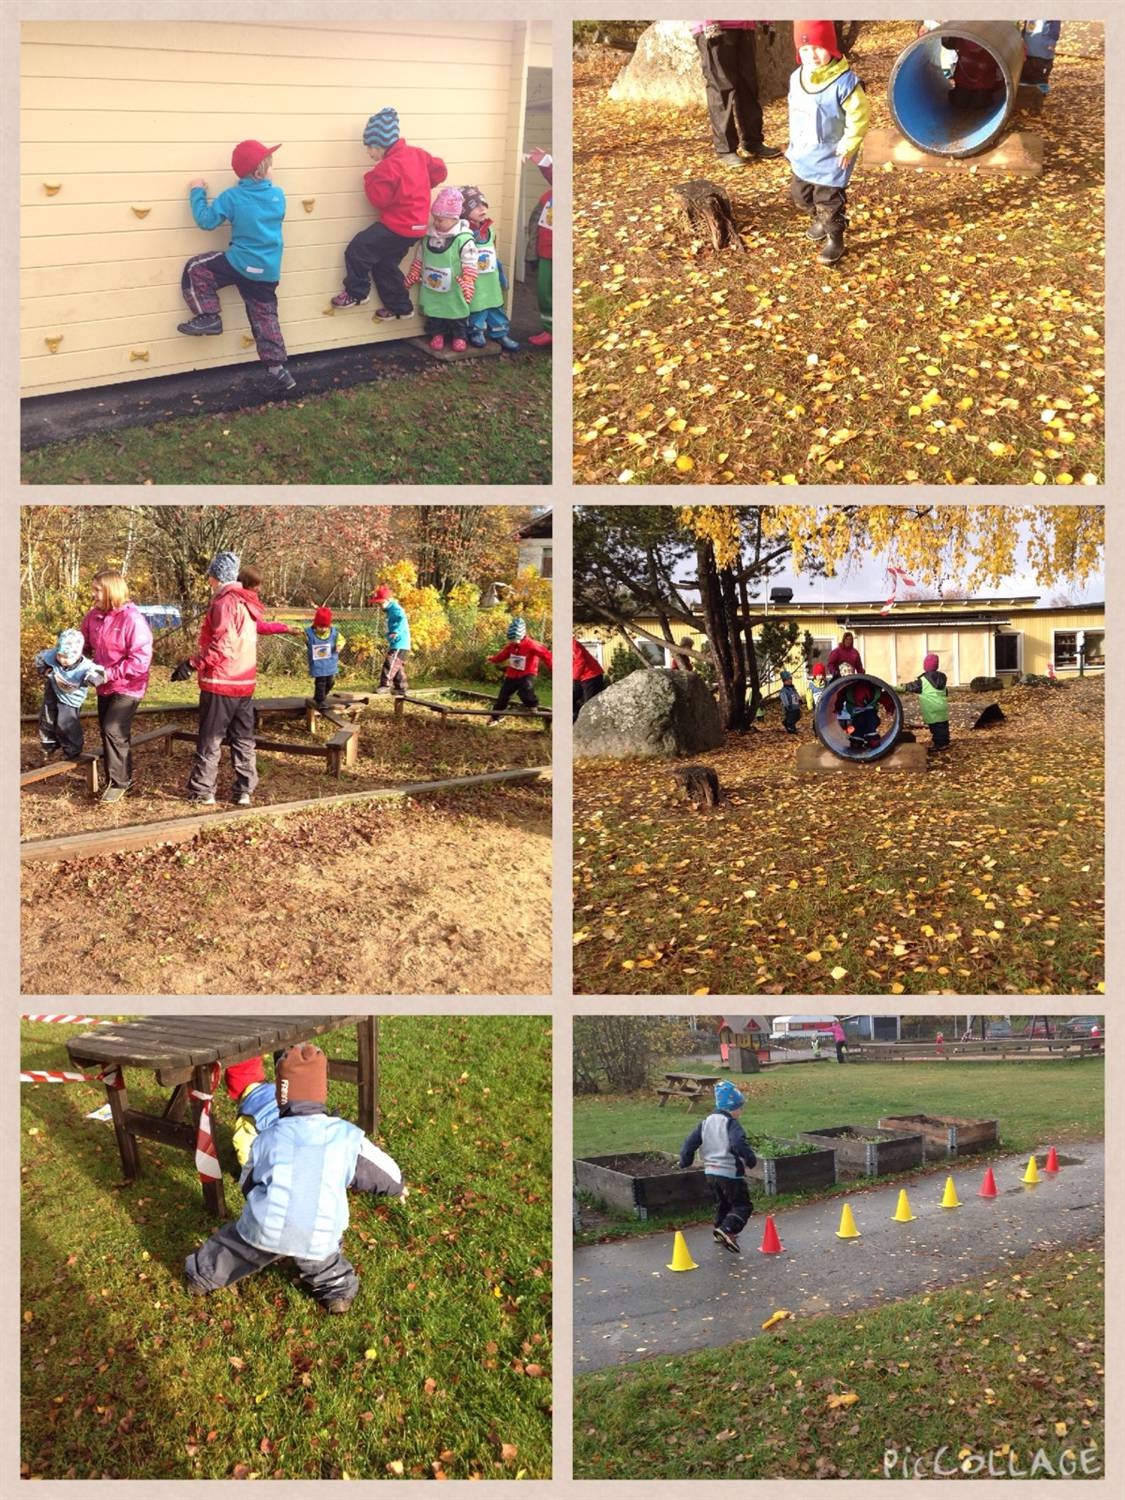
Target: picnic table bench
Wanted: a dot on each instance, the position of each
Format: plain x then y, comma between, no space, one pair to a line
184,1051
687,1086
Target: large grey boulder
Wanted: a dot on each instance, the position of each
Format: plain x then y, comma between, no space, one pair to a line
654,711
665,67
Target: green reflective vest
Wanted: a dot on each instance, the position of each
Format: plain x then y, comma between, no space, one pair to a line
439,295
487,292
935,703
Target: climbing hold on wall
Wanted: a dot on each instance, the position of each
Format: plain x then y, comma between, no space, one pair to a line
135,354
308,204
52,341
248,341
51,188
330,311
141,213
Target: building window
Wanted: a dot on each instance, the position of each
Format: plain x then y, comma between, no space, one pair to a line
1066,648
546,566
821,651
595,648
1008,653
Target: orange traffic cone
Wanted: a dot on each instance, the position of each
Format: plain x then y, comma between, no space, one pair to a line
681,1255
1052,1162
771,1244
988,1187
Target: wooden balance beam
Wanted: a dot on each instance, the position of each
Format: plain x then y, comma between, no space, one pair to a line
179,830
90,762
444,709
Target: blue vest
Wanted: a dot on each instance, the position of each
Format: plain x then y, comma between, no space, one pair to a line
817,125
323,655
301,1167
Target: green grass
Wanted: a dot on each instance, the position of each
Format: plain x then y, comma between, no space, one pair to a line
1037,1104
124,1376
989,1366
486,422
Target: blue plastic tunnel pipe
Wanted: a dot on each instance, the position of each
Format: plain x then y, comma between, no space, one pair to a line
919,90
832,734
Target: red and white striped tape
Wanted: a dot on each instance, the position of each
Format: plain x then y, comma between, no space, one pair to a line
897,576
65,1020
206,1157
112,1077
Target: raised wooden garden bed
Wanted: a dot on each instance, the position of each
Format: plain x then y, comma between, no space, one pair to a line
642,1184
947,1135
868,1150
794,1171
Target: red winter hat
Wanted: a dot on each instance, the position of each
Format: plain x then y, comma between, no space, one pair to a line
323,618
381,593
248,156
818,669
816,34
239,1076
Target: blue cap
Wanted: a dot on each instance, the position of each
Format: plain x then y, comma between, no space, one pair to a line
727,1096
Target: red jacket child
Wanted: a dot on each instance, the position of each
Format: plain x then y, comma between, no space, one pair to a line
400,187
522,658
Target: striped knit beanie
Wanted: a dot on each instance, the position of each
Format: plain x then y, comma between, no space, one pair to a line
224,567
382,129
517,630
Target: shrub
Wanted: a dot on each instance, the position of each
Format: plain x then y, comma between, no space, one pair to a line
623,663
1038,679
986,685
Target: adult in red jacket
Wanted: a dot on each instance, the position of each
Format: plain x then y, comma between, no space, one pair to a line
589,678
226,665
844,655
398,186
521,657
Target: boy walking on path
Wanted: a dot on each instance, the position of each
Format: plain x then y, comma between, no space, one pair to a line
226,664
255,210
726,1155
398,186
296,1183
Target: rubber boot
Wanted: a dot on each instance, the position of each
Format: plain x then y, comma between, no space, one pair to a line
816,230
833,248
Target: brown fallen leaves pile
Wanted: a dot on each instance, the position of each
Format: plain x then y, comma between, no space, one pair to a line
960,341
983,875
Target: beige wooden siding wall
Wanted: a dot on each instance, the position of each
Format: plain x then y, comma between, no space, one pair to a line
537,128
118,117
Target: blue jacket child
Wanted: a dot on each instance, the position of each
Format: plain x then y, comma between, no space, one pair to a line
67,676
255,210
726,1156
296,1183
790,700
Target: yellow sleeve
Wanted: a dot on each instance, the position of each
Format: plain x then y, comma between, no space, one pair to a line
243,1136
857,109
341,641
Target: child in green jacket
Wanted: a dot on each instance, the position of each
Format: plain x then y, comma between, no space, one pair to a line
935,700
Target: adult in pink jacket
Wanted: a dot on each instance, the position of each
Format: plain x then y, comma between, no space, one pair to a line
839,1036
226,665
844,655
119,639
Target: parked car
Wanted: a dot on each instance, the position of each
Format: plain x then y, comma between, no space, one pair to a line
1083,1025
1042,1027
998,1031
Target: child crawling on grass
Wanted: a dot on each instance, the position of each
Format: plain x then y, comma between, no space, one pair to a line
295,1180
726,1156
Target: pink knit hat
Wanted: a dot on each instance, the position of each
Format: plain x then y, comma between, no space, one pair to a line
929,662
447,204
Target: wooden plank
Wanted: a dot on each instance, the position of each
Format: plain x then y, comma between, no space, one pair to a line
158,1128
126,1140
182,1042
55,768
213,1197
91,758
367,1044
487,713
178,830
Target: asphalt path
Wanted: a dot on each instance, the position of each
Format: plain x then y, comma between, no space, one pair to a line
629,1306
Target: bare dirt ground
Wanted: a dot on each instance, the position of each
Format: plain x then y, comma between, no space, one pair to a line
438,895
392,752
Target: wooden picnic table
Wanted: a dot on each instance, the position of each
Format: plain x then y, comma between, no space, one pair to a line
182,1052
689,1086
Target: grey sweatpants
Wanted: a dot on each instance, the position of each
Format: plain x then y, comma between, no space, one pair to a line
226,1258
229,721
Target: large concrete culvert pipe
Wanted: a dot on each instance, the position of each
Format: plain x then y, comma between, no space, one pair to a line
962,121
874,735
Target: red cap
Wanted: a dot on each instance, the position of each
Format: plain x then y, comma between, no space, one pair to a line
816,34
381,593
248,156
323,618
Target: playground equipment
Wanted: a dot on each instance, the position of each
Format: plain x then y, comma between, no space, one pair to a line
681,1255
834,725
447,709
950,121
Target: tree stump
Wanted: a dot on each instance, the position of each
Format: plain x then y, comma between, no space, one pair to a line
696,784
708,212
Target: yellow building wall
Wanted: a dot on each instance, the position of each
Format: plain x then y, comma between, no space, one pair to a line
896,655
118,116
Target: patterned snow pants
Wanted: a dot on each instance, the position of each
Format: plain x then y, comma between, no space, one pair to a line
205,275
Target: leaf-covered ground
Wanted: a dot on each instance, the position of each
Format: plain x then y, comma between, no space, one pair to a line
440,1370
992,1372
960,341
984,875
392,752
448,894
